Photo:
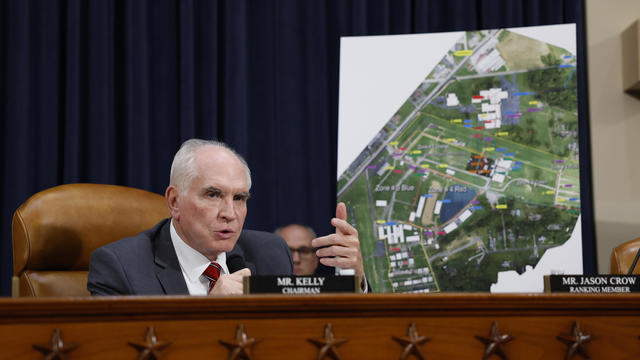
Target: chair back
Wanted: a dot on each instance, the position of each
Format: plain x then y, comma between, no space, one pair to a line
55,231
622,257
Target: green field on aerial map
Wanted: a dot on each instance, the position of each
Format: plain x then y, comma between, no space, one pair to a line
476,173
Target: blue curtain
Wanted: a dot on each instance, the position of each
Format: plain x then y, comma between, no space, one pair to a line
105,91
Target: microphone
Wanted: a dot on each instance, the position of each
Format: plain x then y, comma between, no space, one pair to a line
635,261
235,262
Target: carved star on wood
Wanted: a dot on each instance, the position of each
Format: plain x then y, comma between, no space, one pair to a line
328,346
411,343
241,347
151,348
575,342
493,343
57,349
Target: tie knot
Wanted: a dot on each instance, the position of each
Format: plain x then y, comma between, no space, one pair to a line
212,272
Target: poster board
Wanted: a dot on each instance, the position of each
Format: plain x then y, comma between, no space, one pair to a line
461,157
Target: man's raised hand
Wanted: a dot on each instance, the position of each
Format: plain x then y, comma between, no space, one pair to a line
342,248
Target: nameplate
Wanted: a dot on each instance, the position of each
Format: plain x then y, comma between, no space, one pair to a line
303,285
592,284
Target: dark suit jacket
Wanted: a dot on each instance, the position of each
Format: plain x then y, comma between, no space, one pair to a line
146,264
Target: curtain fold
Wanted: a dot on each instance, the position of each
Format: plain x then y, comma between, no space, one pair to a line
105,91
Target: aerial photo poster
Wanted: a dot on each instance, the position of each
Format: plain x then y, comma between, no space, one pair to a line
458,158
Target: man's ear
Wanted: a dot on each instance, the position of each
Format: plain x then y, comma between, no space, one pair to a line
172,196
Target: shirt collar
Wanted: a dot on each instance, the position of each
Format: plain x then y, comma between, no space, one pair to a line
193,263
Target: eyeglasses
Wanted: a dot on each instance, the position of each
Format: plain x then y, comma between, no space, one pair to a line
303,251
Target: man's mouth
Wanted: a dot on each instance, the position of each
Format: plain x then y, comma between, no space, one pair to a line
225,233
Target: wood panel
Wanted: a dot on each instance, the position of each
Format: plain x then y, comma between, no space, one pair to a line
102,327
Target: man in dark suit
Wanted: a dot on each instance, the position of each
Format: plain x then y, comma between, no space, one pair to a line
207,200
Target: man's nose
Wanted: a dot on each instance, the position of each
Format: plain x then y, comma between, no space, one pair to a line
296,256
226,210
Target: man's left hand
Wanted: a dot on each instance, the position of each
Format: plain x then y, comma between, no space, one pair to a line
341,249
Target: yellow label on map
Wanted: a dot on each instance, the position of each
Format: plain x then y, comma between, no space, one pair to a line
533,102
380,221
501,206
549,192
562,200
463,53
450,140
489,149
456,120
393,143
443,165
391,167
416,152
503,133
426,166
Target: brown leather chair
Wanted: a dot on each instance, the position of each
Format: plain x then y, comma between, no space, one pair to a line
55,231
622,257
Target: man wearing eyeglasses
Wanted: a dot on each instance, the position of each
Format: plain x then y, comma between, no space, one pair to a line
299,237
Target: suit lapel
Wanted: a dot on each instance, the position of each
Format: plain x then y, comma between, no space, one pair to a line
167,266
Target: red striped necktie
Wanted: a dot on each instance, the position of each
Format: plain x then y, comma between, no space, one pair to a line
212,273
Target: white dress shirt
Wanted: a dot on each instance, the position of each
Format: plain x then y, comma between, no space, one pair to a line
193,264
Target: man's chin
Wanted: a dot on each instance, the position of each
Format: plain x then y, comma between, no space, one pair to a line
301,272
224,245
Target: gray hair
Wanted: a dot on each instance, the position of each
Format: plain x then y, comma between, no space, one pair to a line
183,167
308,228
